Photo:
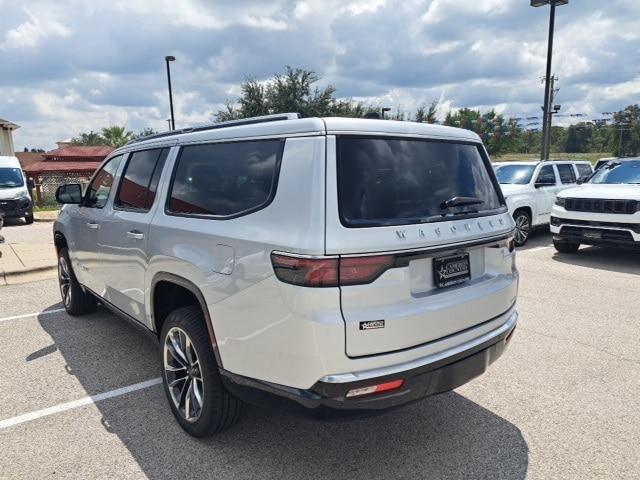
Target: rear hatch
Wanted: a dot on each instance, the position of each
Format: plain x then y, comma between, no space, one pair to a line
422,234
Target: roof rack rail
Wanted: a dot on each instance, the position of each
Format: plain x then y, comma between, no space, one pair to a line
213,126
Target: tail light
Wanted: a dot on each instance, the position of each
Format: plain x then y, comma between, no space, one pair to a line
329,271
306,272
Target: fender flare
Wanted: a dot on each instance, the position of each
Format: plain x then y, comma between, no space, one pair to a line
193,288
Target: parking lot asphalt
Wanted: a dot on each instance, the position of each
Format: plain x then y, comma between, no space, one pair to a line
561,403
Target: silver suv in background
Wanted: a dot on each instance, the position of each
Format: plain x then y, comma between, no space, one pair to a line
329,263
530,189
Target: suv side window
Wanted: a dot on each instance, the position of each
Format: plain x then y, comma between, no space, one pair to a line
225,179
546,175
99,189
567,175
584,170
140,179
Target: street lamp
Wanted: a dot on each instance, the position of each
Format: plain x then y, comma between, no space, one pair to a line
546,124
167,59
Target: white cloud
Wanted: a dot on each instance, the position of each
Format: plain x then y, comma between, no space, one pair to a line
31,33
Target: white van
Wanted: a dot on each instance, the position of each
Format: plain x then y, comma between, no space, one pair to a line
15,200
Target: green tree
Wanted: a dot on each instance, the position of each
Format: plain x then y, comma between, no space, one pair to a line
116,136
89,139
145,132
292,91
626,128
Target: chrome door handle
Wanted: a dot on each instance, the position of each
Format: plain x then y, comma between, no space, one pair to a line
93,225
135,235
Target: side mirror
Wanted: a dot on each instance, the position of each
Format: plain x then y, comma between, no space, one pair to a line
582,179
70,194
31,184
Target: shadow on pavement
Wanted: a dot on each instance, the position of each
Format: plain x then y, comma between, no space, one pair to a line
447,436
604,258
13,222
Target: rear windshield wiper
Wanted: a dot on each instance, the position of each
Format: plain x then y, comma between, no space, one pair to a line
460,201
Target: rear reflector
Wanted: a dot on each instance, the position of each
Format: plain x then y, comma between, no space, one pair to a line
382,387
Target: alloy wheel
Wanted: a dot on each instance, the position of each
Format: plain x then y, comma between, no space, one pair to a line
64,279
183,374
523,229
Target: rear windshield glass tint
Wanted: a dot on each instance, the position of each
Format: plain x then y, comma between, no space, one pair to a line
384,181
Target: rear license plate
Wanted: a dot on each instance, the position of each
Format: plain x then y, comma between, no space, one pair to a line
451,270
593,234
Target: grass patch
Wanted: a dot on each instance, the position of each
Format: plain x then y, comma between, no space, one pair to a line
46,208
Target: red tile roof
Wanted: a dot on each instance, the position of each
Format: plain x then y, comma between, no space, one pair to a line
48,166
28,158
80,151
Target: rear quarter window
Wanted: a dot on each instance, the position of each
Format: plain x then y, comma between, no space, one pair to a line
225,179
393,181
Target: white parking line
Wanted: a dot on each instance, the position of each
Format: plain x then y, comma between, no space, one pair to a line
536,249
63,407
27,315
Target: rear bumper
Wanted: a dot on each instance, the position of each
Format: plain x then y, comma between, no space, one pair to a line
435,376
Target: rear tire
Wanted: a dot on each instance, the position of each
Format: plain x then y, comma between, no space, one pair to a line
523,227
566,247
75,300
192,382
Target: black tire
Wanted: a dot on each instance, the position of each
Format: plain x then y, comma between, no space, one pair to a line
219,409
28,218
566,247
523,227
77,302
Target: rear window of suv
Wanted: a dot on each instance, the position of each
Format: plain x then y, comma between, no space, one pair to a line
394,181
225,179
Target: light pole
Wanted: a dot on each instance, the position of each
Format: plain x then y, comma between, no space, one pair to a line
546,123
167,59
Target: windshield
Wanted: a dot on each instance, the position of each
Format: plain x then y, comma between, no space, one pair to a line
11,178
514,174
618,172
385,181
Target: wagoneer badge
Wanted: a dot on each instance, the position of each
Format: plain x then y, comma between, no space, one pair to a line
371,324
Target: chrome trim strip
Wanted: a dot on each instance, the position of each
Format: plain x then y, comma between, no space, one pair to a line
420,362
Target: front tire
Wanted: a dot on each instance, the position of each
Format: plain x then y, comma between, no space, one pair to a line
566,247
28,218
192,383
523,227
75,300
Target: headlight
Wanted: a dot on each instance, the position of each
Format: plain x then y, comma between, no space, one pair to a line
560,201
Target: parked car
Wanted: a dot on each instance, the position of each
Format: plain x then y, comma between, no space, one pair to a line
331,263
530,189
15,200
603,211
603,161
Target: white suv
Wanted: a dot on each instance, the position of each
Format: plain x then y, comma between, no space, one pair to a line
604,211
530,189
332,263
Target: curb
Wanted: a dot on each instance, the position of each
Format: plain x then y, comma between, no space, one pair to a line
30,275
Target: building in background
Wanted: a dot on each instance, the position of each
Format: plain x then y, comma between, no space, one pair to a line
6,138
69,164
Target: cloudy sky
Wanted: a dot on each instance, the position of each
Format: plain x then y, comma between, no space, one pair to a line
68,66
